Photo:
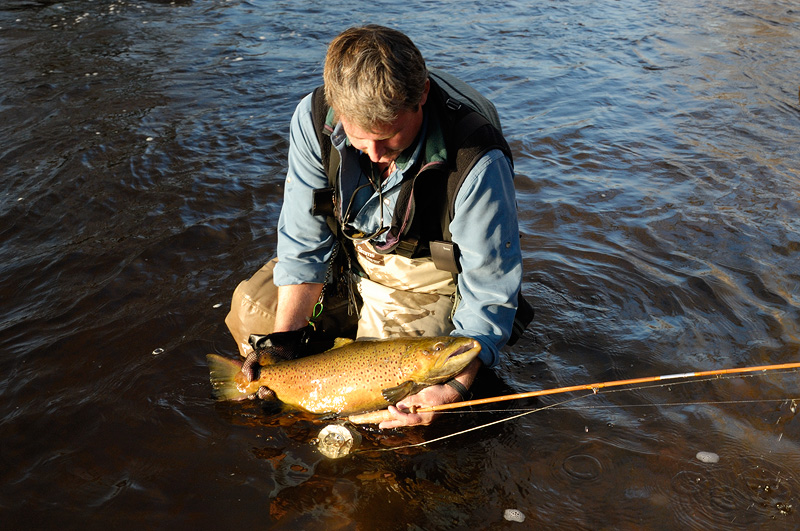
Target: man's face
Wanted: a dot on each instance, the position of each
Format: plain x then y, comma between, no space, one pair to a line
383,143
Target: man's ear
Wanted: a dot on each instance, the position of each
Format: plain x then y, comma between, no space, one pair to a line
425,91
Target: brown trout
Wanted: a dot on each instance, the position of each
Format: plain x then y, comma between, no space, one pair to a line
359,376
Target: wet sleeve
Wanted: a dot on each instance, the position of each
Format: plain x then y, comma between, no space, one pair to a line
305,241
486,229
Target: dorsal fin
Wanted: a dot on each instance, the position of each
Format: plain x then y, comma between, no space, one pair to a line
340,342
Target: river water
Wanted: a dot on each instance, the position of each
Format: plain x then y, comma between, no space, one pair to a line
142,152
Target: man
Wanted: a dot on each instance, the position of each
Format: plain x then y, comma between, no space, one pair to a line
422,207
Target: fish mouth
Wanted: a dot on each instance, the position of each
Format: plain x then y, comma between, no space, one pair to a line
447,366
463,349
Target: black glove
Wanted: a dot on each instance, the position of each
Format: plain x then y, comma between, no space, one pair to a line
277,346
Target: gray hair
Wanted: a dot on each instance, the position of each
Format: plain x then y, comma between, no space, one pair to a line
372,73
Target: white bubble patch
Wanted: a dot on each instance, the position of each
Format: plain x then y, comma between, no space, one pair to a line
514,515
707,457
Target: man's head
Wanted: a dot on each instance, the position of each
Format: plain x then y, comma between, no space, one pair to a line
372,75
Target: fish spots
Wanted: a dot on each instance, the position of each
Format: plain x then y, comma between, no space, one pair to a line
352,378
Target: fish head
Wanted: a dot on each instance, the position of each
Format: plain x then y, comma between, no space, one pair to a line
437,359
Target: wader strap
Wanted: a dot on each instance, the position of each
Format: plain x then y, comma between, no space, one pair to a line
323,199
319,115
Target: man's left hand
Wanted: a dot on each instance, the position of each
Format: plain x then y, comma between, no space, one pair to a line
430,396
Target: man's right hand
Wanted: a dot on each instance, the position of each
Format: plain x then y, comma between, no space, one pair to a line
278,346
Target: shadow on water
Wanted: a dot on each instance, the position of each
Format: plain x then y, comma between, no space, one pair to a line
143,146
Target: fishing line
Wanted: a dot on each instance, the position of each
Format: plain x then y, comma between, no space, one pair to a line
474,428
596,391
618,406
595,387
376,417
337,440
654,386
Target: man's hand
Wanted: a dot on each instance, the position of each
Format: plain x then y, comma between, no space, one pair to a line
278,346
430,396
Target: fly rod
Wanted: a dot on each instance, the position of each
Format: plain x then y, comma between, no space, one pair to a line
379,416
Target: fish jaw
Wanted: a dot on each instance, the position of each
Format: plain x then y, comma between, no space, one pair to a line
446,359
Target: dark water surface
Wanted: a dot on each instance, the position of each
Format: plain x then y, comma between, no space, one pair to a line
142,152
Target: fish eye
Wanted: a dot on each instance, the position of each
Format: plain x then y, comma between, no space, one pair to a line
438,346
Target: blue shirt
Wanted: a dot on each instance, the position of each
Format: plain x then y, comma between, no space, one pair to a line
484,227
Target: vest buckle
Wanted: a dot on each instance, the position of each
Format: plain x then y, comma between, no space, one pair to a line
452,104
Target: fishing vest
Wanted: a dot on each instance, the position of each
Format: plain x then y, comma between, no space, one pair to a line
458,136
462,127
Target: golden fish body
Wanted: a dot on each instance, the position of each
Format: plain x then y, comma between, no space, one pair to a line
359,376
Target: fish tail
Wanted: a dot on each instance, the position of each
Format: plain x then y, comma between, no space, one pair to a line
223,378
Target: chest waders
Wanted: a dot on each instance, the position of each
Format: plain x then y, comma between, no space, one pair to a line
407,285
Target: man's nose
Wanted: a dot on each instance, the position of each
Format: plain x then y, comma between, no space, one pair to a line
375,150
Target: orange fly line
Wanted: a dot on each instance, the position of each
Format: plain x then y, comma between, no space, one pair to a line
379,416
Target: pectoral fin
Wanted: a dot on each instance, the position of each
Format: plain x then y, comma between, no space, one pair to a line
394,395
